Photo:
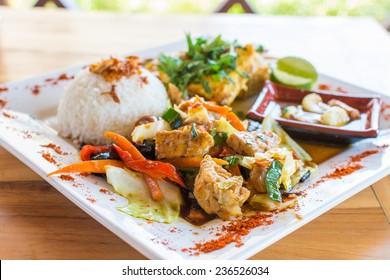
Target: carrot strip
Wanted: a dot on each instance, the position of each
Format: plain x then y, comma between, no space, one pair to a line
222,110
193,162
124,144
154,188
235,121
92,166
152,168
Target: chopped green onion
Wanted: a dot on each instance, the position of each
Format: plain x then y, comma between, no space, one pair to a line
232,160
173,118
219,137
194,133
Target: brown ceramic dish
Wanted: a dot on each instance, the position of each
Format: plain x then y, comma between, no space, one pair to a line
275,96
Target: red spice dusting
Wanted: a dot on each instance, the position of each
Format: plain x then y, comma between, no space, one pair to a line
90,199
112,199
3,103
323,87
65,77
345,169
105,191
61,77
232,233
7,115
340,89
359,157
113,95
56,148
36,89
3,89
66,177
144,80
49,157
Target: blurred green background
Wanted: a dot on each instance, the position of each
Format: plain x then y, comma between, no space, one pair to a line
378,9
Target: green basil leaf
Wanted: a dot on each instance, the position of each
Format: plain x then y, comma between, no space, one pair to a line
272,177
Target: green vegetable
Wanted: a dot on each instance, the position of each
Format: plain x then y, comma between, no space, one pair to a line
219,137
194,133
269,124
260,49
173,118
215,58
189,175
240,115
271,180
232,160
132,186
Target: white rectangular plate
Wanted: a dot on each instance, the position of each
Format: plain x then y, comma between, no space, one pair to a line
23,133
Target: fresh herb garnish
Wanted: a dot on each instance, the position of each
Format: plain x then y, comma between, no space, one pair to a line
260,49
194,133
173,118
271,180
215,58
219,137
232,160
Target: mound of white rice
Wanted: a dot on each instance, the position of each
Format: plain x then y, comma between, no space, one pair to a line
87,110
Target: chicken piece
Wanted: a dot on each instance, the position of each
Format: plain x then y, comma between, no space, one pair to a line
257,176
249,143
180,143
218,192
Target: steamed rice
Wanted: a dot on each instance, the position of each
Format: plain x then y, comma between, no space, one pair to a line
87,109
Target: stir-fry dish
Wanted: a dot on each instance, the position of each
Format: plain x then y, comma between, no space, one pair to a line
215,166
314,110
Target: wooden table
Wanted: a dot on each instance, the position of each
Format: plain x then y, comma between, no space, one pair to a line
37,222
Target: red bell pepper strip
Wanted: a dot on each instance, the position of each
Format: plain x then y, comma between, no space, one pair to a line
91,166
157,170
88,150
155,190
124,155
124,144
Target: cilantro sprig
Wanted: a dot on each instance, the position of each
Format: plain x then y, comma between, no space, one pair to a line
215,58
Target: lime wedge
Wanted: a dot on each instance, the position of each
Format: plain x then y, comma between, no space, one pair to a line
292,71
287,79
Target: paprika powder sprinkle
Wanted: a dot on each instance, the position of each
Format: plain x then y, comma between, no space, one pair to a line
48,157
67,177
232,233
55,148
3,103
345,169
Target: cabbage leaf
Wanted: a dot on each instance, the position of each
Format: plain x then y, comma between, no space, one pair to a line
132,186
